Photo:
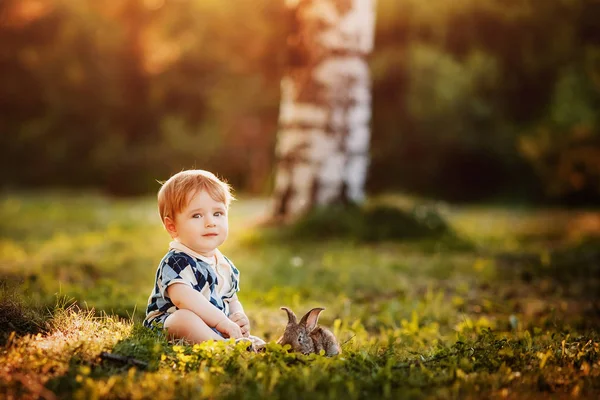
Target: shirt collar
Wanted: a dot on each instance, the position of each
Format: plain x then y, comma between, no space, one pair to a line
176,245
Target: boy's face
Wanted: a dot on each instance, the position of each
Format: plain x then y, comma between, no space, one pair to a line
202,225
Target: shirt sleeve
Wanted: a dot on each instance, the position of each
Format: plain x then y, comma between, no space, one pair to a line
179,268
235,280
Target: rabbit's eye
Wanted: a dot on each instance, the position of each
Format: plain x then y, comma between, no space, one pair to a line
300,339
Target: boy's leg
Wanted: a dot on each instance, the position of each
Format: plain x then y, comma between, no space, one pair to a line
184,324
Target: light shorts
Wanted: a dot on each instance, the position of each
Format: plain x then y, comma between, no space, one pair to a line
158,323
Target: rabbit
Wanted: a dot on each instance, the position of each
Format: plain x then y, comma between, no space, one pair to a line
306,336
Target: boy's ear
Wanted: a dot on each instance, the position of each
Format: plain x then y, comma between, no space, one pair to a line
170,227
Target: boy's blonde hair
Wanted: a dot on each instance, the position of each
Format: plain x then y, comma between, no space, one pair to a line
175,193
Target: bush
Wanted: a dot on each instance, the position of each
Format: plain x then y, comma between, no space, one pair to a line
369,224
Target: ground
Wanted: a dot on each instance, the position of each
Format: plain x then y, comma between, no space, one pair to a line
508,306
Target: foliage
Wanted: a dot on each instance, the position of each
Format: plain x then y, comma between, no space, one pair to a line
564,149
473,79
153,105
511,316
471,99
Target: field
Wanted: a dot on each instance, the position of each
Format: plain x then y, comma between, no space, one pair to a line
507,305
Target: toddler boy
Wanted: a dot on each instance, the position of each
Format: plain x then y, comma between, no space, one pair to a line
194,296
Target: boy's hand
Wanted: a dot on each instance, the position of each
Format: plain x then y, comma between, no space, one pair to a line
242,321
229,329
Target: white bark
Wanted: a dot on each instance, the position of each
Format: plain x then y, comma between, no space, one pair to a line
325,112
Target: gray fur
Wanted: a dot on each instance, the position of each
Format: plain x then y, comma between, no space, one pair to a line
306,336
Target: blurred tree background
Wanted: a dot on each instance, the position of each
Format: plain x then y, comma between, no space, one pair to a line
472,99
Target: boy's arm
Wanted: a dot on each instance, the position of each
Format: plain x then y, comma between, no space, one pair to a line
237,315
235,305
183,296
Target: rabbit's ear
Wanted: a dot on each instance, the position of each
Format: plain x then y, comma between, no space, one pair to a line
311,318
291,315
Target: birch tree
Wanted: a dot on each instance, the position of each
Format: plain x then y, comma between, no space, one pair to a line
323,139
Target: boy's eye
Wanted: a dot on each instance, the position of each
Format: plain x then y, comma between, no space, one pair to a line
218,214
197,216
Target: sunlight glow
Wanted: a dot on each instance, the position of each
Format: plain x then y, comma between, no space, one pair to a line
154,4
27,11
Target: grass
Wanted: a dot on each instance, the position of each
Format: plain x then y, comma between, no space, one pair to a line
489,302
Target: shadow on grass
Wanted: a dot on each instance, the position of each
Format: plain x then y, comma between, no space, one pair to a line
16,317
570,272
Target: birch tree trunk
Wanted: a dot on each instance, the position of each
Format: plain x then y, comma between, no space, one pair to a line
323,139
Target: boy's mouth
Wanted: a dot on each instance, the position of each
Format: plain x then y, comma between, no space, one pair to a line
210,234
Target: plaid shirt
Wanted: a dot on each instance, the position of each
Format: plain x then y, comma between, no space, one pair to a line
183,265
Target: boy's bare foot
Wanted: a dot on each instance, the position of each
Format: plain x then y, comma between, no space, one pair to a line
255,344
